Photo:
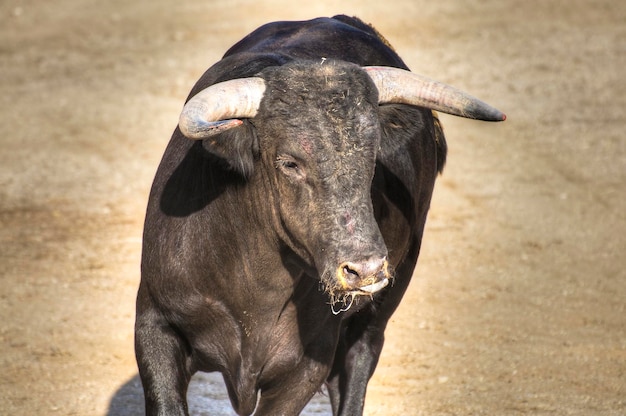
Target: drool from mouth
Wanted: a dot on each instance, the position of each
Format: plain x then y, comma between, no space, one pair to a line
346,300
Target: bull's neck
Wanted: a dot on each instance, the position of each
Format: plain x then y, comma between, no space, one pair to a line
250,220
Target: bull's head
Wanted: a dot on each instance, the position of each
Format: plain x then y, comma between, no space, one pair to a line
319,134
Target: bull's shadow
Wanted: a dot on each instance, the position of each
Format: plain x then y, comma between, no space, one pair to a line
206,396
198,178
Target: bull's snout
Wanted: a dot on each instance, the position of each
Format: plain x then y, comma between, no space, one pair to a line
368,276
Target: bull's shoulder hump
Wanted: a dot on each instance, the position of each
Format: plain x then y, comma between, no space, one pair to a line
273,34
339,37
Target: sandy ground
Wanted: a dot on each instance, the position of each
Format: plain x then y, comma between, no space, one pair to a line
518,302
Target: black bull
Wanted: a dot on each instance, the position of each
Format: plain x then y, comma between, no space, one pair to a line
278,243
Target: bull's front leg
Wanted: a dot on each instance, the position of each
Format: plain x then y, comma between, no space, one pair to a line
289,395
164,364
287,392
355,360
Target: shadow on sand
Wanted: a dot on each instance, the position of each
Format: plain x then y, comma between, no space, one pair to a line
206,396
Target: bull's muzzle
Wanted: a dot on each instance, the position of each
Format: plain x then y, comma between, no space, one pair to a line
363,278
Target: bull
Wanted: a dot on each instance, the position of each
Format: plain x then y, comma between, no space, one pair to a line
286,216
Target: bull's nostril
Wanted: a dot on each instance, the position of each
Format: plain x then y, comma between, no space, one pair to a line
349,273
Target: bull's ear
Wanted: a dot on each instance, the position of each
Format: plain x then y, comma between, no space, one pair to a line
237,147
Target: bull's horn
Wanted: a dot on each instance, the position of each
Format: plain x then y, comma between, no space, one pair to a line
400,86
220,106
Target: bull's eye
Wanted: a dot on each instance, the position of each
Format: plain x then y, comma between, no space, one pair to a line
290,167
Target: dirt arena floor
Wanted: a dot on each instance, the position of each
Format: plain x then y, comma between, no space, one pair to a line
518,303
